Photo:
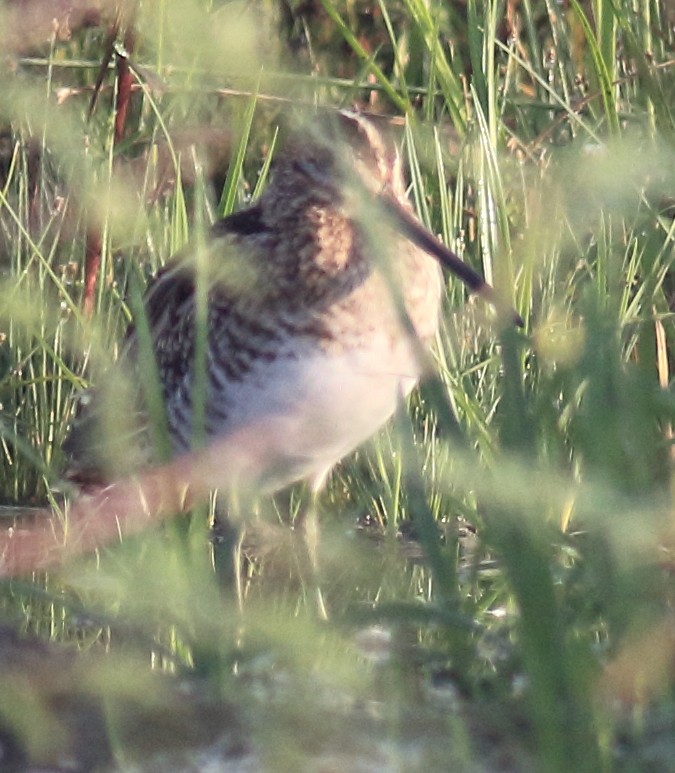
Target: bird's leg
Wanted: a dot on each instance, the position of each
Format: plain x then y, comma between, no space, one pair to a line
306,524
227,538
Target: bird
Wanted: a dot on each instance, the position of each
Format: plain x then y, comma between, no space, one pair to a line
301,319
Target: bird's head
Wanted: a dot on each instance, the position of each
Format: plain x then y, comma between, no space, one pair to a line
342,153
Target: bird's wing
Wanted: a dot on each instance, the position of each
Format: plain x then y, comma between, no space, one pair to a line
173,287
169,311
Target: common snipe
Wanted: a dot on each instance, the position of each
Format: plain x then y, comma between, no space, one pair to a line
315,301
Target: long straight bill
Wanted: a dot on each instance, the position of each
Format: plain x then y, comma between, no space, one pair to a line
426,241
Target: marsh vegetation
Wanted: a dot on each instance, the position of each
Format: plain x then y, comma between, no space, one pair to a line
498,561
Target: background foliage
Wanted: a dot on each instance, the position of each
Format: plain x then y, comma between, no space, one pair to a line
498,565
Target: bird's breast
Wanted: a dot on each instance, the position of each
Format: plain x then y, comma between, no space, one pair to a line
312,405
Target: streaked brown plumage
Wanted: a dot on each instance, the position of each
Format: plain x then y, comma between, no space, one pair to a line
305,332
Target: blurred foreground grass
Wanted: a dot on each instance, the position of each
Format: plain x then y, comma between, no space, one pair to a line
498,564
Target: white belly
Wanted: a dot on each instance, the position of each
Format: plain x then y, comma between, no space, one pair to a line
295,417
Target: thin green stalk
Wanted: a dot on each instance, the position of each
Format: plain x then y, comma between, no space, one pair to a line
230,190
358,49
601,44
